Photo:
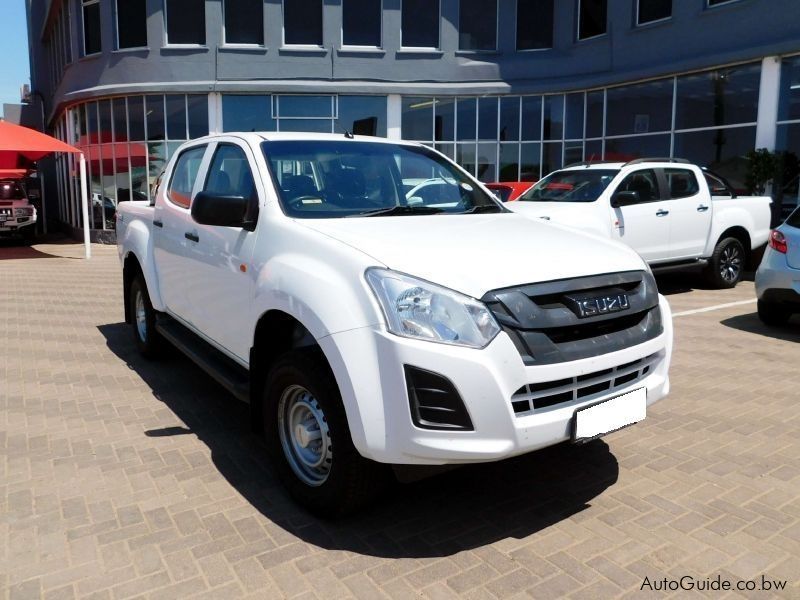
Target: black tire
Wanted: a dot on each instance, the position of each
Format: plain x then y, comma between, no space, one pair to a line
727,264
29,234
773,315
148,341
345,481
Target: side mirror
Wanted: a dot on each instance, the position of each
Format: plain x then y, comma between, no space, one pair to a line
621,199
222,210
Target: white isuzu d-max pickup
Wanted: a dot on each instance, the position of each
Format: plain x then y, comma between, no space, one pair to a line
369,328
673,213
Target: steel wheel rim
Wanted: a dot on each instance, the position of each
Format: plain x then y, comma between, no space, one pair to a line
305,435
730,263
141,316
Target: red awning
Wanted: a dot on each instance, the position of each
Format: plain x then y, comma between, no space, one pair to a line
19,146
13,173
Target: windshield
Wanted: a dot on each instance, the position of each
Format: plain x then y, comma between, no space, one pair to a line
331,178
10,190
583,185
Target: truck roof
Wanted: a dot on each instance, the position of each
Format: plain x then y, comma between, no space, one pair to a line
619,164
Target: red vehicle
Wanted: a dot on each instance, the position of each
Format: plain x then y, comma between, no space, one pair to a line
508,191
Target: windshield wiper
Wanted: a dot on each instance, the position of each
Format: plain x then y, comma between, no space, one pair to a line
483,208
399,210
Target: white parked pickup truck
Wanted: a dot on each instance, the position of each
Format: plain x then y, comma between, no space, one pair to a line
366,328
674,214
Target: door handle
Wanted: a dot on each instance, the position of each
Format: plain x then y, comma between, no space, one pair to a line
662,213
158,223
702,208
191,236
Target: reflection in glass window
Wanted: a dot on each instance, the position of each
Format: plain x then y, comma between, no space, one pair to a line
104,110
721,150
551,157
417,118
477,25
132,15
361,23
534,24
176,116
154,109
788,141
186,21
302,22
574,116
306,125
465,156
445,116
722,97
197,108
156,161
573,153
530,162
120,120
420,24
643,146
553,117
466,113
93,126
362,115
509,162
594,114
531,118
487,162
247,113
789,106
653,10
592,18
487,119
244,21
640,108
91,27
306,107
136,118
593,151
509,118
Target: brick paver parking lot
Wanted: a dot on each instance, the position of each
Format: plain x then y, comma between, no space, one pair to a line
122,478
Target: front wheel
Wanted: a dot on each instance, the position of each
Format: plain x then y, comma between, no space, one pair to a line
726,266
309,441
773,315
143,320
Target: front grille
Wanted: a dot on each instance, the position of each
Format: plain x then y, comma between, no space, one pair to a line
6,212
536,396
547,324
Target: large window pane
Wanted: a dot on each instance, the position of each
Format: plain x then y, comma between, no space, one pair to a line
721,150
509,118
653,10
93,126
186,21
445,115
247,113
420,24
154,109
131,23
198,115
487,162
104,109
723,97
574,116
593,151
487,119
477,25
362,115
120,120
244,21
305,106
551,158
553,117
530,162
465,118
789,107
509,162
594,114
573,153
91,27
532,118
176,117
645,146
534,24
136,118
361,22
306,125
465,156
788,141
592,18
302,22
417,119
641,108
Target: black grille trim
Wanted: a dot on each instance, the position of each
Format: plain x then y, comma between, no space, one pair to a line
434,401
541,320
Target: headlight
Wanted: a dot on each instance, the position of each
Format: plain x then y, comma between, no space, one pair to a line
421,310
23,212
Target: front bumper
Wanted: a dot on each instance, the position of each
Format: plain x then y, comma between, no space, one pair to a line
369,368
776,281
15,224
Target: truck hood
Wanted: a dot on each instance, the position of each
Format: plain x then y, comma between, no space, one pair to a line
474,254
574,214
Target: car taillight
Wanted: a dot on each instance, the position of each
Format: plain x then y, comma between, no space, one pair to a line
777,241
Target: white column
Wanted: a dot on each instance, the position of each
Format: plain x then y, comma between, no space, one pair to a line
394,113
214,113
85,209
769,92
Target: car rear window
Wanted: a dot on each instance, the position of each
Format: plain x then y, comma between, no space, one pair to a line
10,190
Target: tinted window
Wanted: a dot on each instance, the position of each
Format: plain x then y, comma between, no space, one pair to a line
534,24
643,183
302,22
244,22
681,183
794,219
131,23
477,25
592,18
91,27
247,113
654,10
716,186
722,97
197,108
10,190
184,176
362,115
325,179
585,185
361,22
420,24
186,21
230,174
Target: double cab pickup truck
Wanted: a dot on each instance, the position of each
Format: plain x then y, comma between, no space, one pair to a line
17,214
368,329
673,213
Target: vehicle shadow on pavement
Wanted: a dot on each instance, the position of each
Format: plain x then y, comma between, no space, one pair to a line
13,249
462,509
752,324
680,283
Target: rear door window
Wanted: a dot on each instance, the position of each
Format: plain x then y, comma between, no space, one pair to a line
681,183
184,176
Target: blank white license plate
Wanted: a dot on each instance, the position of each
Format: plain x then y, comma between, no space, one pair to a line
597,420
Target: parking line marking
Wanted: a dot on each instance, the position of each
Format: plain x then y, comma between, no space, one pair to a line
710,308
